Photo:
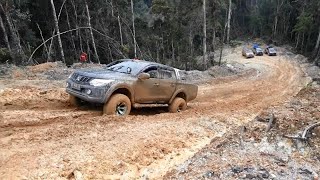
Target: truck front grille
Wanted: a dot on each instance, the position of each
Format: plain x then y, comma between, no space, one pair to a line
80,78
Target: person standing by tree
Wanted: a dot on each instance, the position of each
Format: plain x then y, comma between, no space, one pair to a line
83,58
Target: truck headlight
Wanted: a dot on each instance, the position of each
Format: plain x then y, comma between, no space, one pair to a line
70,75
100,82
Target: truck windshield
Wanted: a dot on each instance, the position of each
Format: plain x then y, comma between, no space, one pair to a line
272,50
128,67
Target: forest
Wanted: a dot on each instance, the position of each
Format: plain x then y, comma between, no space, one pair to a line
173,32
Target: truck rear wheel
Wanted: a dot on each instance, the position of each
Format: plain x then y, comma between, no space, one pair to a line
118,104
74,101
177,105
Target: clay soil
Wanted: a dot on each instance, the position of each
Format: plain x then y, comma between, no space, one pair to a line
43,136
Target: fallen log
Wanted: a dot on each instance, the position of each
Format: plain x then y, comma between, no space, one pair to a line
270,120
305,135
270,123
242,130
261,119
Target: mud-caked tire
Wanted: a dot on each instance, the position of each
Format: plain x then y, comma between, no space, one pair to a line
74,101
118,104
177,105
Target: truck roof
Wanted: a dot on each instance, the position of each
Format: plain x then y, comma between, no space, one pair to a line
146,63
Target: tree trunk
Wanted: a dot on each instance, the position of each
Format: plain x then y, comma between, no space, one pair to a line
134,31
91,34
43,41
213,39
173,53
158,51
276,19
111,4
110,52
222,44
88,50
57,30
308,42
317,59
17,52
302,43
72,39
205,64
275,25
228,23
5,35
316,48
298,39
212,63
120,30
191,42
76,23
162,48
54,31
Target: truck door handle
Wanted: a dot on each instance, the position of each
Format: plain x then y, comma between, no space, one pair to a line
156,84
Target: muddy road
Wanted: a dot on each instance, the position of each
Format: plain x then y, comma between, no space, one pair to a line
41,135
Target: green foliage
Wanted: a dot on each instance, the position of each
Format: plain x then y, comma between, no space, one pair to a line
4,55
166,30
304,23
160,7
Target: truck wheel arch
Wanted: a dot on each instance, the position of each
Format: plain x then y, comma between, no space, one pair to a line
122,90
180,94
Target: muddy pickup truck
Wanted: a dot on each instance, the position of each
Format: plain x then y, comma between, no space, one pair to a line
128,83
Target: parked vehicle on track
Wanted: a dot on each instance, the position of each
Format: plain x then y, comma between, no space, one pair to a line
257,50
246,52
270,51
128,83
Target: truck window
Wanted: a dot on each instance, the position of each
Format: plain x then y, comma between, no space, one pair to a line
153,71
167,74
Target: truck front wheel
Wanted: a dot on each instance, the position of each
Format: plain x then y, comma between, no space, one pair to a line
177,105
118,104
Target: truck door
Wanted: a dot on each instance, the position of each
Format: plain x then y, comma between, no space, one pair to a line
147,91
168,82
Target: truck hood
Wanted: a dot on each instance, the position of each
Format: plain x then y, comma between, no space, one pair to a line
104,74
271,50
259,50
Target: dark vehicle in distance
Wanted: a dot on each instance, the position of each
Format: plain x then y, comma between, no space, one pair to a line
128,83
270,51
246,52
258,51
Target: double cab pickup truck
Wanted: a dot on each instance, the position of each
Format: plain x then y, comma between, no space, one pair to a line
127,83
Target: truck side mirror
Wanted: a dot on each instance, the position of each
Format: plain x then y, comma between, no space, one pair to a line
143,76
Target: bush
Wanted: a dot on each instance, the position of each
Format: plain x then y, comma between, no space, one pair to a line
4,55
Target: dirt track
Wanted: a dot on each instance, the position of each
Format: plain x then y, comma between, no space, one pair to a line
42,136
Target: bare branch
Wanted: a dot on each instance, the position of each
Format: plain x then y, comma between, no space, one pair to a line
75,29
305,134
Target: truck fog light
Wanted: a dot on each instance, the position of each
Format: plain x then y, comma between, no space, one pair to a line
67,85
88,91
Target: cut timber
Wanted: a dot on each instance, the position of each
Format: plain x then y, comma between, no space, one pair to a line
242,131
305,134
271,121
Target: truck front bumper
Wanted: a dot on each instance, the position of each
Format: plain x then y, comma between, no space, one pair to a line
86,92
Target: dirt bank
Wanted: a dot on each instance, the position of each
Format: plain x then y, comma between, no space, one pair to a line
252,152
